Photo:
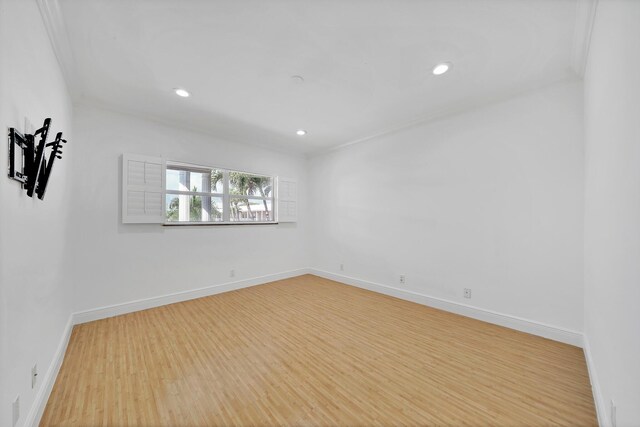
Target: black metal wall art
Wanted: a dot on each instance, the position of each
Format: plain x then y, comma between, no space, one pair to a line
28,163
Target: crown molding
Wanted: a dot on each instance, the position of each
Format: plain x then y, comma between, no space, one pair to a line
452,111
585,15
53,21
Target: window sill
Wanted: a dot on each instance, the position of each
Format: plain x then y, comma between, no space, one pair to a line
215,224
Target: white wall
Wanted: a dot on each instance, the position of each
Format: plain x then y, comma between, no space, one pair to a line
35,294
612,221
116,263
491,200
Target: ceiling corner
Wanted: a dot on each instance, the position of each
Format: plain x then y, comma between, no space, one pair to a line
585,15
54,24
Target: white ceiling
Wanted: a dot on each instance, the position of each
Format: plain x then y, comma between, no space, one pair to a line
366,64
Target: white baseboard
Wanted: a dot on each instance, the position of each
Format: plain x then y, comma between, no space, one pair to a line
601,409
525,325
49,379
143,304
42,396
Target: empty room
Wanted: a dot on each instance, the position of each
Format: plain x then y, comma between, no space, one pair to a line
320,213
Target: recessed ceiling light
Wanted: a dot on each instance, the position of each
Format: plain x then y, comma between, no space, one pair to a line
297,79
181,92
441,68
301,132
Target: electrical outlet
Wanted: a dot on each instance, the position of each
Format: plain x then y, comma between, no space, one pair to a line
341,267
613,413
16,410
34,375
467,293
232,273
403,279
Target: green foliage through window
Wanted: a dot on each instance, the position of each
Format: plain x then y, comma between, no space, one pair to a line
198,194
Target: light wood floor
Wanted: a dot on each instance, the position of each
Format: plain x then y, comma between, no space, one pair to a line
309,351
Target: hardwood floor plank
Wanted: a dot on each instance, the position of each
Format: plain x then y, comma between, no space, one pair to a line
310,351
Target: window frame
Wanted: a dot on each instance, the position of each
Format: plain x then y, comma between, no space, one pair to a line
225,195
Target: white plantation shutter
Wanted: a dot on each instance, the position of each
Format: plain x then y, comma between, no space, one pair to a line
287,200
143,185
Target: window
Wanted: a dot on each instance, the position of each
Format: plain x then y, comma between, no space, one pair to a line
155,191
197,194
